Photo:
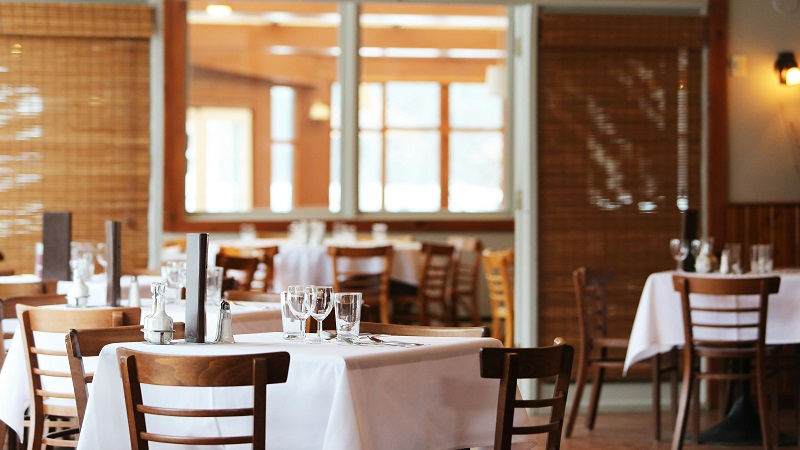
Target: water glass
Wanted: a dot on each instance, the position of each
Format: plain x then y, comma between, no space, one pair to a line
734,257
174,274
214,285
347,310
761,258
291,324
298,305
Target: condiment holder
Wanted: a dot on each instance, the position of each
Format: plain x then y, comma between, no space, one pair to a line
158,325
78,293
224,324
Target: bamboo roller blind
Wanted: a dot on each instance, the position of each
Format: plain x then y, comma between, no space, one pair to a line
619,142
74,124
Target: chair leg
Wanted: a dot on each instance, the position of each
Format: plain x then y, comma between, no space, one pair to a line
683,408
35,432
761,397
597,386
673,381
655,384
580,381
695,413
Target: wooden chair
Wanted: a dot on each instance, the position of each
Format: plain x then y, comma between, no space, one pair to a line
46,404
7,272
251,296
512,364
421,330
266,266
498,267
241,268
430,302
28,288
599,352
710,331
8,310
464,285
350,276
257,370
87,343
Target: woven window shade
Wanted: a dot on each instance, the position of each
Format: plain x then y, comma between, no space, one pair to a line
74,124
619,143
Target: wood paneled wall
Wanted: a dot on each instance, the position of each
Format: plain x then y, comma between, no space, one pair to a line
765,223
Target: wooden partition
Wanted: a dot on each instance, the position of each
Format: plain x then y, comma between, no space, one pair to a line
765,223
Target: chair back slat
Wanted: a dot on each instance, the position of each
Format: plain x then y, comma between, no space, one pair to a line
422,330
512,364
498,267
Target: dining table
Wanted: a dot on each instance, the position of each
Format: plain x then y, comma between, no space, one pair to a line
298,263
337,395
658,327
248,317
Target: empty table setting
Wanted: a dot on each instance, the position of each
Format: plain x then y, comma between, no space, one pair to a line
337,396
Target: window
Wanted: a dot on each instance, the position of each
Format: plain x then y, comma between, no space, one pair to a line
416,153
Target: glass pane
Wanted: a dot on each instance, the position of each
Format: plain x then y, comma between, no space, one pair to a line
370,178
412,105
276,59
412,171
219,166
476,172
282,177
335,188
472,105
282,113
370,106
424,55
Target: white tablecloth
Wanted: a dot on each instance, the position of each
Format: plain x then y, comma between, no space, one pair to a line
337,396
659,320
301,264
14,389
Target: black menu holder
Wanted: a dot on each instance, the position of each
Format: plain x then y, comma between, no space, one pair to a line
113,261
56,239
196,265
689,233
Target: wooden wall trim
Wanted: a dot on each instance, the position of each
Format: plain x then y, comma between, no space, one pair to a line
174,112
717,167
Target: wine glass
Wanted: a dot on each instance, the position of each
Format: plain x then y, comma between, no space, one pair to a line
679,249
101,256
175,275
320,302
298,305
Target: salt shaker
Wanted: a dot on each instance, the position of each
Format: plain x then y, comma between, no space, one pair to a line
724,263
133,294
78,293
224,324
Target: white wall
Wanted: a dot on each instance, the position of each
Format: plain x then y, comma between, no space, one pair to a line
764,160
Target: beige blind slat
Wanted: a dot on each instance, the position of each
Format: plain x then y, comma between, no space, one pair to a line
74,125
76,20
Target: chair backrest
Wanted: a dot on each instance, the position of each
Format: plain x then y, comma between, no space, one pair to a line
466,262
591,296
87,343
255,370
59,320
725,322
266,258
437,263
252,296
498,267
242,268
8,310
28,288
349,274
422,330
512,364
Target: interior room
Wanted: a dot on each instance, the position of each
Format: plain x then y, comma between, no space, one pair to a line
645,141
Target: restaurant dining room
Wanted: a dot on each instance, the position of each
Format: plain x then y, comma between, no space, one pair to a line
428,224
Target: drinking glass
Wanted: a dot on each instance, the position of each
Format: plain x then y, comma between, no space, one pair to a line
320,302
298,305
214,285
174,273
101,256
290,323
347,310
761,258
679,249
734,257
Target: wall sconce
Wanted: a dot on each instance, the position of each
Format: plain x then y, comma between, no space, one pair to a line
319,111
218,10
786,65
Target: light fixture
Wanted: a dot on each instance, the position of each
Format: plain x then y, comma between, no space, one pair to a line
218,10
786,65
319,111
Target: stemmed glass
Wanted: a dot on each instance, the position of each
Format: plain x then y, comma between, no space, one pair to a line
299,306
679,249
320,303
101,256
175,275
